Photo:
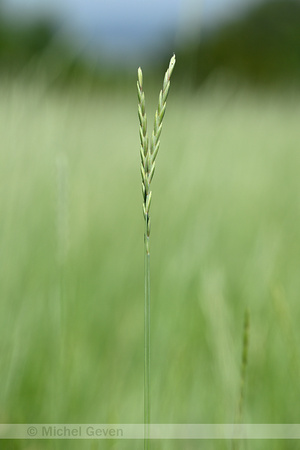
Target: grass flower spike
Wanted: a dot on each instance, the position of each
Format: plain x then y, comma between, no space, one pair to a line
148,156
149,153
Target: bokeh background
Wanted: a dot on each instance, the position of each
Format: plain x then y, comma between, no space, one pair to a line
225,215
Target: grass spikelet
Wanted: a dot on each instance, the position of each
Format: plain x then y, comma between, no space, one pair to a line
148,156
149,153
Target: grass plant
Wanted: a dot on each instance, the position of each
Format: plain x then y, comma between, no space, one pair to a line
148,156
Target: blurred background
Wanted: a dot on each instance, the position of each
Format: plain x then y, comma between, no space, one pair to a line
253,40
225,215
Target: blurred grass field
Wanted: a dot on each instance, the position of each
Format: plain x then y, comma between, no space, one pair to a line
225,236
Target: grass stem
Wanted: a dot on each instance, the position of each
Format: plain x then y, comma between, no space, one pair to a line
147,348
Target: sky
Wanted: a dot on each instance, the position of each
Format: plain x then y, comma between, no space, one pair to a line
125,29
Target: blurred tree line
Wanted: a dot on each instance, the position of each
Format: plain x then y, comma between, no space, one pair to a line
261,47
18,45
35,49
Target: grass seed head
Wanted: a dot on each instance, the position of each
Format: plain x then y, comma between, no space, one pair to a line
149,153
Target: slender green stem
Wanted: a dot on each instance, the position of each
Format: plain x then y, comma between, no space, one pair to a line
239,417
244,365
147,346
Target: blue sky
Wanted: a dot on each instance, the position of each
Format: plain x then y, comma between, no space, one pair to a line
83,9
127,28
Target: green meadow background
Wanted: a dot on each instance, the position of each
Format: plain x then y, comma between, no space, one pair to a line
225,237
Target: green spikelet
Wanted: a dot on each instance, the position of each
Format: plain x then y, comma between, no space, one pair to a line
149,152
